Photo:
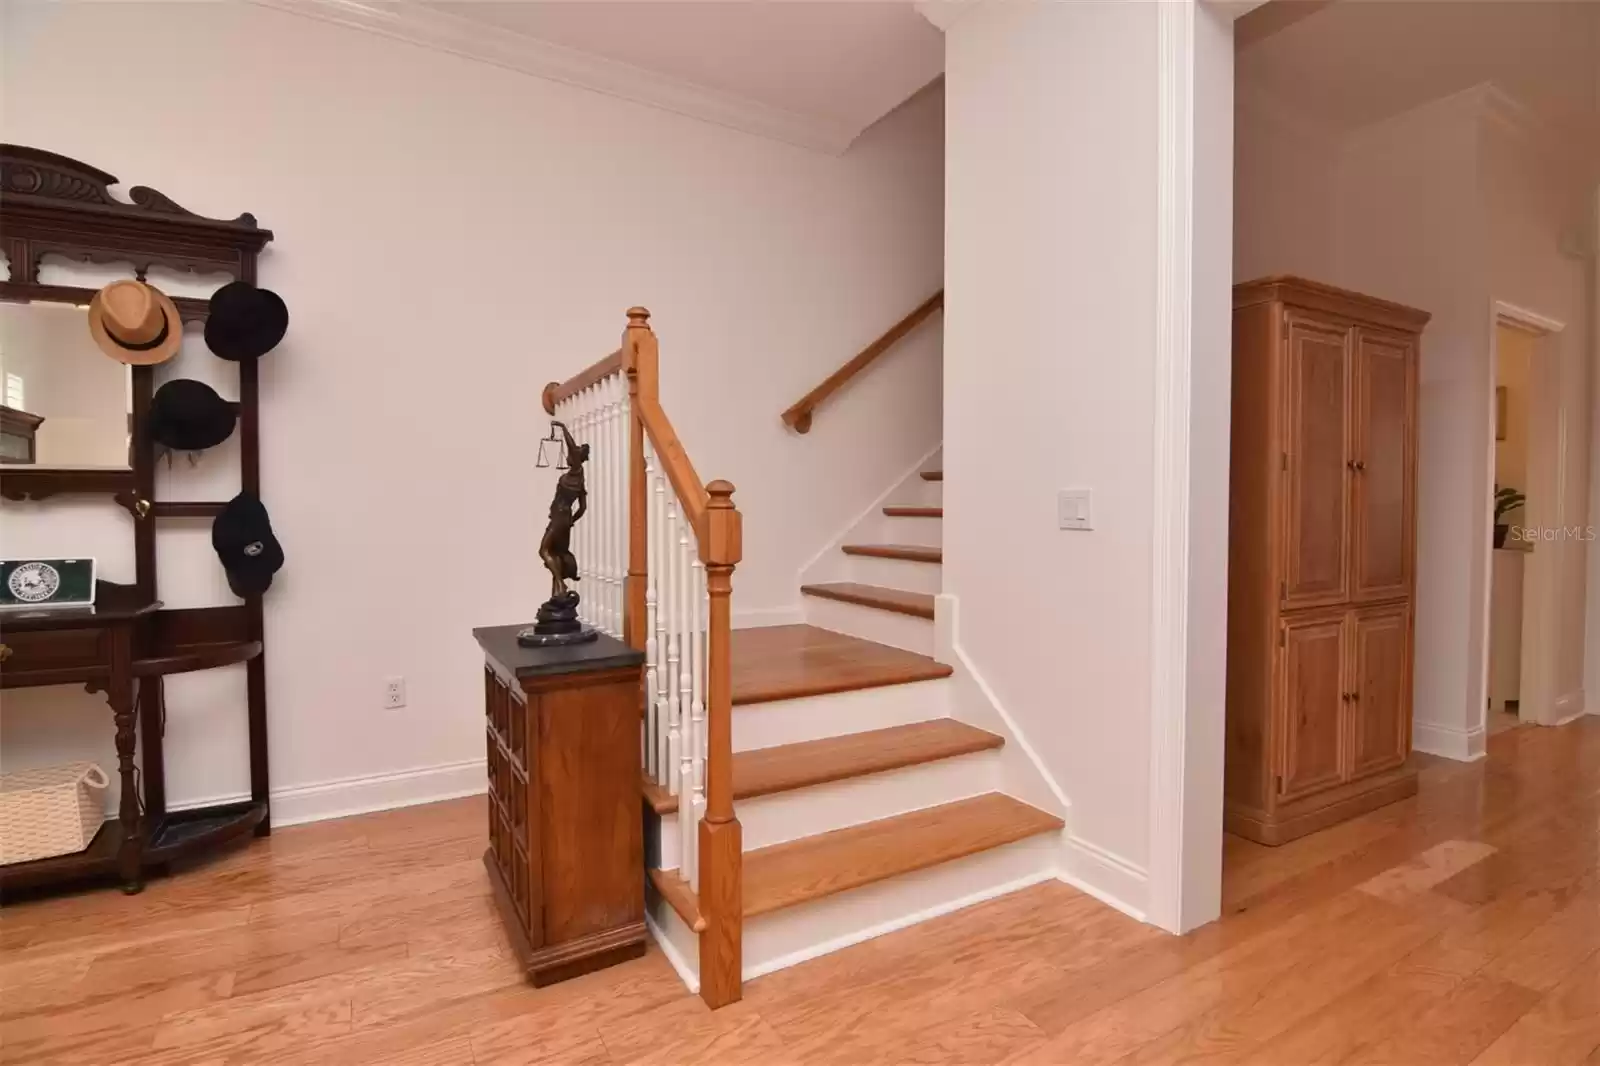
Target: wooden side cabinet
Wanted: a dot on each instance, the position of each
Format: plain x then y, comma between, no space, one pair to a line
1322,550
566,845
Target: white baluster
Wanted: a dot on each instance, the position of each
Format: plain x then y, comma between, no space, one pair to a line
658,626
619,520
700,614
597,498
580,535
692,727
652,725
593,592
613,505
674,643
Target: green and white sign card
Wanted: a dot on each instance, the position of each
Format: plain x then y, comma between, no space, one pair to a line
46,583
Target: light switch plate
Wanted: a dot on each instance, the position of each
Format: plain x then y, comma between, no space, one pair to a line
1073,509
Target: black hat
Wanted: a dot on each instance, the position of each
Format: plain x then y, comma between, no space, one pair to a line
244,321
189,416
242,536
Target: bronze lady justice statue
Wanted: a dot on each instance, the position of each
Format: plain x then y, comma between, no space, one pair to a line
558,616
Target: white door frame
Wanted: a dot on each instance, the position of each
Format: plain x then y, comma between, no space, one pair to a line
1547,489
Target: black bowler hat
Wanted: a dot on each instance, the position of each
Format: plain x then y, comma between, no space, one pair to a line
189,416
242,536
245,322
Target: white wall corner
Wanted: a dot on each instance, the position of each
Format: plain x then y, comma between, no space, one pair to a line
1570,707
945,13
976,704
1108,877
429,27
1447,741
828,562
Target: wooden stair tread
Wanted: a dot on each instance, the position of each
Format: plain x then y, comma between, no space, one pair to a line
915,553
916,604
788,662
799,871
933,475
914,512
802,870
766,771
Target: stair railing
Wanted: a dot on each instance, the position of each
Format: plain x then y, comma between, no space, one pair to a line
798,417
658,556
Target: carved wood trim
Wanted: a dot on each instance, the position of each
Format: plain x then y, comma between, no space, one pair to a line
50,204
798,417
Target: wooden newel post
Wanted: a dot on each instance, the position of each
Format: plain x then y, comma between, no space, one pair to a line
721,846
639,369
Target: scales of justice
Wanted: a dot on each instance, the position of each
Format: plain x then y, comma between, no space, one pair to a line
558,616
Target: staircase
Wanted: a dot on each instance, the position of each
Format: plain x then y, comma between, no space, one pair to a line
863,803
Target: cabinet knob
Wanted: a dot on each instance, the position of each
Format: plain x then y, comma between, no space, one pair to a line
5,652
1361,467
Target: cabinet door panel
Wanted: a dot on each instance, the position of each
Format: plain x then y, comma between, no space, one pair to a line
1381,545
1311,706
1381,710
1316,480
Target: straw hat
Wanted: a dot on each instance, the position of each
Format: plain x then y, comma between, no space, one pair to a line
135,323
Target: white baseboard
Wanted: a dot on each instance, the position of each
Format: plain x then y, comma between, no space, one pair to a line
1462,745
1570,707
686,973
348,796
1108,877
761,617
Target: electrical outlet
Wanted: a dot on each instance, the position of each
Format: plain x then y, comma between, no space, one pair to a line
1073,509
394,692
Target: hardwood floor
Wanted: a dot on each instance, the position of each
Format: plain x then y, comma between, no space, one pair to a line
1461,926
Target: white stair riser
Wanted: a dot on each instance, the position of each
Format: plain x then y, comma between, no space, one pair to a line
805,812
766,725
919,493
899,529
871,623
787,937
896,574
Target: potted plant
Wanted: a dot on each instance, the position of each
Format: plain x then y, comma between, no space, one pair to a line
1506,500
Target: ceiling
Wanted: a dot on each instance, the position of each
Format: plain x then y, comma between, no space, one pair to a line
839,65
1350,63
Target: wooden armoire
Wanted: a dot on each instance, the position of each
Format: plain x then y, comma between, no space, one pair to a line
1321,556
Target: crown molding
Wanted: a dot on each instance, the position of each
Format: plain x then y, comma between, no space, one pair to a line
417,24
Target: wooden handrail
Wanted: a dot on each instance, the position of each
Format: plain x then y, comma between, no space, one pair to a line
556,392
718,532
798,417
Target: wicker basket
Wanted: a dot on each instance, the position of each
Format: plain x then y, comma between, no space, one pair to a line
50,811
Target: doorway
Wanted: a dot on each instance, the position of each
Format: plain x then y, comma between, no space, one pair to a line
1527,545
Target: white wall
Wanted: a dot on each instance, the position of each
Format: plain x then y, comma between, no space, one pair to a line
1534,197
1411,230
1446,208
450,237
1049,356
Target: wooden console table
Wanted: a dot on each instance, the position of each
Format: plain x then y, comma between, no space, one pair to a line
566,833
123,646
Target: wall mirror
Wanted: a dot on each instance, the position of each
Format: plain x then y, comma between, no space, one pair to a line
66,405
